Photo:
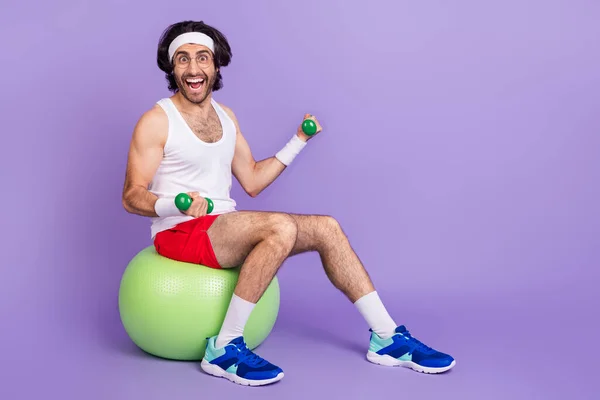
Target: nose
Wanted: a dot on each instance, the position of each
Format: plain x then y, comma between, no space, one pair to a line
193,67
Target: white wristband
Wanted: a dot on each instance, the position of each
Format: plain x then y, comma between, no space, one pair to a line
291,150
165,207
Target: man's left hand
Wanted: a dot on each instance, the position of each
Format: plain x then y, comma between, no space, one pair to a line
303,136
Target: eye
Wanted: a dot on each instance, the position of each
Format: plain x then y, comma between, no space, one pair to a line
183,59
204,58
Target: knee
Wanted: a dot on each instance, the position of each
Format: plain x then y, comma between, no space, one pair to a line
327,231
331,225
285,229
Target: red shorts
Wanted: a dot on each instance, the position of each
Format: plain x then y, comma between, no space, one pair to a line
188,242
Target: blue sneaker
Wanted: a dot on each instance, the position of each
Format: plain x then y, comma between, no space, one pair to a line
403,350
237,363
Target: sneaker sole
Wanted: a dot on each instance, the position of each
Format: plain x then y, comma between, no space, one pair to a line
217,371
389,361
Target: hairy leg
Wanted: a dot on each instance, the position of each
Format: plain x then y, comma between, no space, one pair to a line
261,241
344,269
258,241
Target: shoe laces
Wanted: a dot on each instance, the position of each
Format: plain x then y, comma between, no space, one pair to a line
245,355
418,344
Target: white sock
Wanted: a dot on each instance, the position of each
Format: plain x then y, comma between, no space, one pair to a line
377,317
237,315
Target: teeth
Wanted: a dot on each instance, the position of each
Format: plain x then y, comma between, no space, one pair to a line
195,80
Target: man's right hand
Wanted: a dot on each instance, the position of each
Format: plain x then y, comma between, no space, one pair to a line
199,205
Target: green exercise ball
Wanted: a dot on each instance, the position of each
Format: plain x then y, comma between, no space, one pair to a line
168,308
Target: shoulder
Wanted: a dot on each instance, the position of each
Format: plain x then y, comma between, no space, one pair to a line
231,115
228,111
155,115
152,126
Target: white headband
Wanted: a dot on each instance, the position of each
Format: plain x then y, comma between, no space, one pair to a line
190,37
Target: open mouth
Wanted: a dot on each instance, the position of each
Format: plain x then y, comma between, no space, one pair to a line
195,84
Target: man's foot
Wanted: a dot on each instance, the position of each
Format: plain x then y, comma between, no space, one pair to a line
237,363
405,351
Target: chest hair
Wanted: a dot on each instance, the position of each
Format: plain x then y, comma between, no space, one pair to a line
206,129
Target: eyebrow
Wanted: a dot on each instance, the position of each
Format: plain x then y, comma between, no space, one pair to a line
187,54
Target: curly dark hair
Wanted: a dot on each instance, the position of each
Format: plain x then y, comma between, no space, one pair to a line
222,56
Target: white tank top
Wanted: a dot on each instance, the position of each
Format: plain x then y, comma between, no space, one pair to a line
192,165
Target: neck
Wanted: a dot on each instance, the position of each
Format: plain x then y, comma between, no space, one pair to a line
200,109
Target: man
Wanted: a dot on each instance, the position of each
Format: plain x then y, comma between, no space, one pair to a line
190,143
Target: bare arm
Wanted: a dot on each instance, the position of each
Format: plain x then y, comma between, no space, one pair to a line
254,176
145,154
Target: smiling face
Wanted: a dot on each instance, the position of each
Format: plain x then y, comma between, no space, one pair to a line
194,71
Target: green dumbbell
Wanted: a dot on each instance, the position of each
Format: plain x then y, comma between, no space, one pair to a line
183,201
309,127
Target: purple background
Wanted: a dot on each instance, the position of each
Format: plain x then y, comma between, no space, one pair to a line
460,154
